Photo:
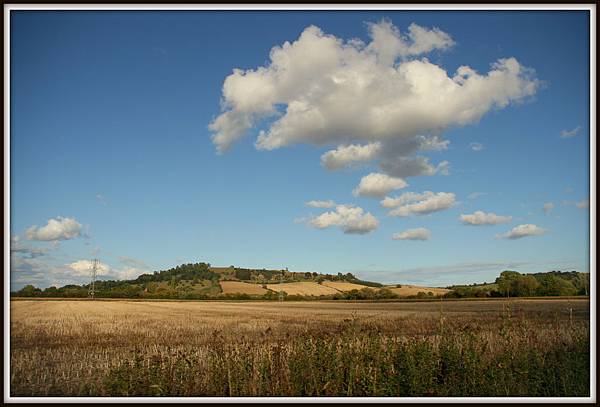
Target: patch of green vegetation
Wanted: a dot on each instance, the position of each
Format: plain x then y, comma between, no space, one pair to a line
514,284
358,363
366,294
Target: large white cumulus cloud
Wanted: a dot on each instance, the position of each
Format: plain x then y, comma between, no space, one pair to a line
377,100
82,268
56,229
351,219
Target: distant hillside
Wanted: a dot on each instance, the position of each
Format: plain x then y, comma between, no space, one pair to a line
197,281
200,281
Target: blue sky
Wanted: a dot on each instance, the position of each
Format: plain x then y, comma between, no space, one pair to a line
112,155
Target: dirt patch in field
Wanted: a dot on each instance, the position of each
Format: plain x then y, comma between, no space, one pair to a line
303,288
344,286
238,287
407,290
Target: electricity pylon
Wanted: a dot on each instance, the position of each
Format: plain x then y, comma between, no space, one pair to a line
93,274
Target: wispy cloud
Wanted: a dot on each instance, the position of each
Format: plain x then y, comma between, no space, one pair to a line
24,249
570,133
321,204
475,195
102,199
413,234
583,204
130,261
445,274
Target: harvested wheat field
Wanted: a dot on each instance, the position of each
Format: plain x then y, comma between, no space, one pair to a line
407,290
239,287
344,286
303,288
304,348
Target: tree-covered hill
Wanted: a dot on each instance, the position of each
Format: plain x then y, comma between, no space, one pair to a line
186,281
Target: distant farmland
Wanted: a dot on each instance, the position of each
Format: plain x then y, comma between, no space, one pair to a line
408,290
233,287
343,286
303,288
308,288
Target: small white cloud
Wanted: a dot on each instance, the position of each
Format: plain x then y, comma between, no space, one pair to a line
570,133
411,203
476,146
413,234
583,204
321,204
522,231
347,155
548,207
56,229
351,219
82,268
378,185
479,218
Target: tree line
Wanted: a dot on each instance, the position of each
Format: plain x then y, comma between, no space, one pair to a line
514,284
182,278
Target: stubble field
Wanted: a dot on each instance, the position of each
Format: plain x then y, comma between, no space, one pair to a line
161,348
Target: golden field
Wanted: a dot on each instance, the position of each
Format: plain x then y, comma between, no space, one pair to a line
239,287
407,290
325,288
303,288
343,286
305,348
